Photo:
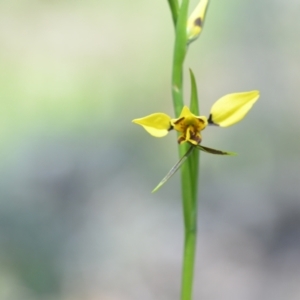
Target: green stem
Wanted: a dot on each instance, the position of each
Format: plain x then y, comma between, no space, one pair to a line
190,214
174,9
178,58
189,170
188,264
189,194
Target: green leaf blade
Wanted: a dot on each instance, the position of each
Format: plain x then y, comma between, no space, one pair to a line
194,104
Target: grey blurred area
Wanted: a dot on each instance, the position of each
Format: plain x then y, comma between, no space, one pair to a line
77,217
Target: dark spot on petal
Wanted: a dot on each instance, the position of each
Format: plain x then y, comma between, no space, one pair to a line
177,121
210,121
198,22
196,137
199,119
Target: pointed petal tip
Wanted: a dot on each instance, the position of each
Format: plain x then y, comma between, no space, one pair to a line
232,153
156,188
256,93
137,121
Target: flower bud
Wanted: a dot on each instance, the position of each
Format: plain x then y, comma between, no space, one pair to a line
196,20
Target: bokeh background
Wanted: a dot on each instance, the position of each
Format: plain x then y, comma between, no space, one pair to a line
77,217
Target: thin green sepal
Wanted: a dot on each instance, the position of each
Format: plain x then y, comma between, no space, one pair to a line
174,169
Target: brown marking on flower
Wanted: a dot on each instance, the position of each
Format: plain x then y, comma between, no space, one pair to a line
196,138
180,125
170,128
198,22
200,119
210,121
181,139
179,120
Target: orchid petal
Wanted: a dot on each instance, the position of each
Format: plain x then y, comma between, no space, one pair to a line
157,124
232,108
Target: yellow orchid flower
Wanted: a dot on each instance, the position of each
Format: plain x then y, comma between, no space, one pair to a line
227,111
196,20
189,125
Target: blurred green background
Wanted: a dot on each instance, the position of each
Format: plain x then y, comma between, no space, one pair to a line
77,217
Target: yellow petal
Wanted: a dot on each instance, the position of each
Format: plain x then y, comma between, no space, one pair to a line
196,20
231,108
184,114
157,124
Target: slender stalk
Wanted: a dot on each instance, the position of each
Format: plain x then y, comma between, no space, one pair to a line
188,265
191,226
178,58
189,171
174,10
190,204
